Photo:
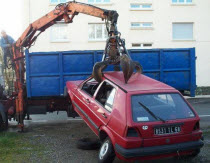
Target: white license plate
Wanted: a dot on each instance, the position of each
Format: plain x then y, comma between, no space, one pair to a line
167,130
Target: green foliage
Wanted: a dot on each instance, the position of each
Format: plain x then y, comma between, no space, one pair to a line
203,91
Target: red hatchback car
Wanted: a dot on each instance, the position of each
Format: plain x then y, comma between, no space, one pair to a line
144,119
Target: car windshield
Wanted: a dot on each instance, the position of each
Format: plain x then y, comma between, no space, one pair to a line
164,106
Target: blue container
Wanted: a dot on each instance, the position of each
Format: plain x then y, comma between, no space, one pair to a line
47,72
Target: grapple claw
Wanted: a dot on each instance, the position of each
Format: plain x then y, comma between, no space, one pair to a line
128,67
138,67
116,54
97,70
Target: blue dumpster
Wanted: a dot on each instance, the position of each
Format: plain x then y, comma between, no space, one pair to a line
47,72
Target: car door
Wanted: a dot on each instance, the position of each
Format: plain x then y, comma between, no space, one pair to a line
84,100
103,102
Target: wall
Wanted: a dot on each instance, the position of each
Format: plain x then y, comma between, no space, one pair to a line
162,16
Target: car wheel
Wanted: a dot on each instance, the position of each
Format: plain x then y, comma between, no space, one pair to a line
88,144
106,152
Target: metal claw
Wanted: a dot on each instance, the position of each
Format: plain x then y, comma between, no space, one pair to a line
138,67
98,69
128,67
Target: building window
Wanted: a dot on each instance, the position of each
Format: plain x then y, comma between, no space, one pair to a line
99,1
141,45
140,25
97,32
182,31
57,1
134,6
182,1
59,33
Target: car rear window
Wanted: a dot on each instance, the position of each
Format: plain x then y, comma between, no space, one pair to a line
154,107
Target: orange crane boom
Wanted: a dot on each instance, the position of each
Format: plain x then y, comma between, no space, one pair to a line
63,11
115,51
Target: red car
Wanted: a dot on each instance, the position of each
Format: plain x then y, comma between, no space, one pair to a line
144,119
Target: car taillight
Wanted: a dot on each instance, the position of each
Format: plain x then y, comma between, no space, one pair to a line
197,126
132,132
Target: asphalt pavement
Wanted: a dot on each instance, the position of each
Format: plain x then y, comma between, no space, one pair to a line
202,107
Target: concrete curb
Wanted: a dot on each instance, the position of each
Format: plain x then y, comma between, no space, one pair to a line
199,98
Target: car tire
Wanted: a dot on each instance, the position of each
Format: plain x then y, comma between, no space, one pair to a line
88,144
106,152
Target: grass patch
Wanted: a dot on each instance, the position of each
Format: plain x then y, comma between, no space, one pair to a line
15,147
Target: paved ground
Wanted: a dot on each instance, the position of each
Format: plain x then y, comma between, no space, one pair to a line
58,134
202,106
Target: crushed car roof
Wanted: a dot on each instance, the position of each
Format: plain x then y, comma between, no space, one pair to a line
138,82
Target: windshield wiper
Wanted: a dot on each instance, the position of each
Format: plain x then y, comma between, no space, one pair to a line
151,113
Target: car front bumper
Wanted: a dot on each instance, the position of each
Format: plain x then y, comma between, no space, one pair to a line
158,150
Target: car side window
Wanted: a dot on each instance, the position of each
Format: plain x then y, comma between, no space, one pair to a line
105,96
90,86
110,100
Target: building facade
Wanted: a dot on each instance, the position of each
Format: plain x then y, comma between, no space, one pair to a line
143,23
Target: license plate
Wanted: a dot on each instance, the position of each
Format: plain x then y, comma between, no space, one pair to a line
167,130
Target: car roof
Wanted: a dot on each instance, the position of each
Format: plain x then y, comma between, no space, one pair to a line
137,82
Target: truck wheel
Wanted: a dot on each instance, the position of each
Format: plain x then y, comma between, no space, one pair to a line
106,152
70,111
3,125
3,119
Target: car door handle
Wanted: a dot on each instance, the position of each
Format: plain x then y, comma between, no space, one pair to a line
104,115
87,100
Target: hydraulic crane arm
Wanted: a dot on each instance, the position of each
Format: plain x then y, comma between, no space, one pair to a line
65,11
115,52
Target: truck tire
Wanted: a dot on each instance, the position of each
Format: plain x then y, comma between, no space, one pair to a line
70,111
3,118
106,152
